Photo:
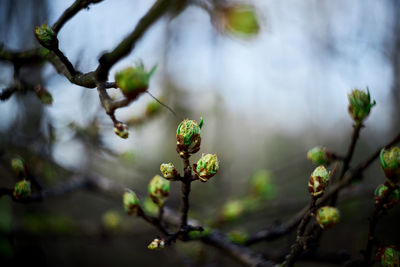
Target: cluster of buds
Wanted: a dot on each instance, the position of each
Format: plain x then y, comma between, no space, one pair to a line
169,171
188,137
320,156
392,200
121,129
159,190
390,163
156,244
360,104
134,81
327,217
388,256
131,202
46,36
318,181
22,189
207,166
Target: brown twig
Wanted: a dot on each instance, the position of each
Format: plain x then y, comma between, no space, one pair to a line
373,221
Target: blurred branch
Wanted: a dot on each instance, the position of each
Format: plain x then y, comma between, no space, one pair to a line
77,6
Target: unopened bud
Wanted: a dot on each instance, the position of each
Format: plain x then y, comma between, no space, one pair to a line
44,96
319,156
232,210
188,136
22,189
327,217
169,171
388,256
360,104
159,190
157,244
318,181
121,129
261,184
239,19
18,166
134,81
111,220
390,162
131,202
392,200
153,108
207,167
237,236
46,36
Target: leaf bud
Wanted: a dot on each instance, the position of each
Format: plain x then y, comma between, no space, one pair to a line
157,244
169,171
46,36
360,104
327,217
388,256
188,137
232,210
207,166
390,163
131,202
319,156
121,129
22,189
318,181
392,200
111,220
44,96
239,19
159,190
18,166
134,81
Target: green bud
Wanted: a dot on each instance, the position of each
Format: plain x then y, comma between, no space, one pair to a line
360,104
232,210
131,202
159,190
237,236
44,96
261,184
111,220
121,129
327,217
22,189
207,166
18,166
150,207
389,256
46,36
318,181
319,156
134,81
169,171
157,244
188,136
197,234
240,19
381,190
153,108
390,163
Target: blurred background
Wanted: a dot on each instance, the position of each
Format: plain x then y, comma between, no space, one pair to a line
267,97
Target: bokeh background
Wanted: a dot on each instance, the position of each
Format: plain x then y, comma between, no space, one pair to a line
266,99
